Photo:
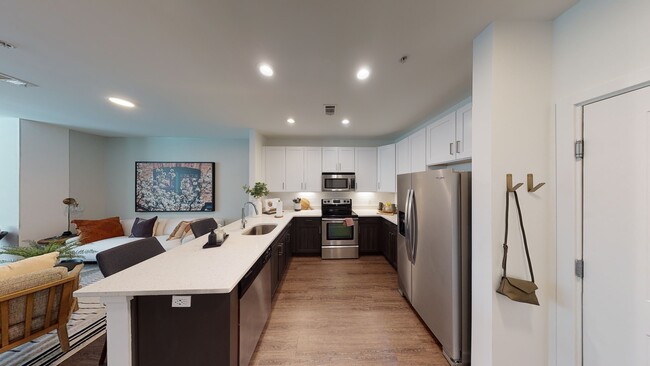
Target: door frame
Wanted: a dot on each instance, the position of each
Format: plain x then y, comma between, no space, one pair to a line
566,341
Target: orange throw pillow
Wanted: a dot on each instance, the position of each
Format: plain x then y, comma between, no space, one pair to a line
94,230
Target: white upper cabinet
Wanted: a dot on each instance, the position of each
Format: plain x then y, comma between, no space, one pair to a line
411,153
418,142
303,169
346,159
441,135
274,168
386,168
295,169
338,159
366,169
313,171
330,159
464,132
449,139
403,156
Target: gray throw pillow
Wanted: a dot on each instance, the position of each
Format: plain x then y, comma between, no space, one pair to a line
143,228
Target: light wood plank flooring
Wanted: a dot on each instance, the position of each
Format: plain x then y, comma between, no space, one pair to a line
344,312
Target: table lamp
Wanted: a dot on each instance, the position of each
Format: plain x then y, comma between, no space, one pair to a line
71,204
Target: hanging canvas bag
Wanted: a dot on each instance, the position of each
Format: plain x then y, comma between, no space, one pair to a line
516,289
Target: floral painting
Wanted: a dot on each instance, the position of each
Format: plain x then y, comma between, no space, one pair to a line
174,187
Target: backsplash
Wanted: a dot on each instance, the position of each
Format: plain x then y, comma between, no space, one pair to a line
359,199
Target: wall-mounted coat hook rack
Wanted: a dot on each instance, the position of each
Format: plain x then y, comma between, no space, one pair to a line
509,186
531,185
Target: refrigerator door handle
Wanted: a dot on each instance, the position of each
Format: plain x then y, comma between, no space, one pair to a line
414,226
407,224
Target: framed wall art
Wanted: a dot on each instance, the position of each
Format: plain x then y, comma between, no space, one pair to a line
174,187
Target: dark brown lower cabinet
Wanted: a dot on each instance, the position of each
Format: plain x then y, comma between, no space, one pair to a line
306,238
207,333
281,256
369,235
389,242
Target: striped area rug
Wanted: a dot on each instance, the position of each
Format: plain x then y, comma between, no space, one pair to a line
86,325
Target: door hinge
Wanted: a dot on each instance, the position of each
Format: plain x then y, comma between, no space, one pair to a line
580,149
580,268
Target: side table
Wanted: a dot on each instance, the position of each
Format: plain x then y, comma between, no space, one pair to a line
54,239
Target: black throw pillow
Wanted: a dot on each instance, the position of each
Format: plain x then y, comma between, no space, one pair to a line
143,228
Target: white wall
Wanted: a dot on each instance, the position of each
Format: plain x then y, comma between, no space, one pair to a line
88,174
9,187
44,179
231,171
256,142
511,115
600,48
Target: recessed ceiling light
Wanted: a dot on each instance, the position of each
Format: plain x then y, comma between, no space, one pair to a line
346,121
363,73
266,70
121,102
291,120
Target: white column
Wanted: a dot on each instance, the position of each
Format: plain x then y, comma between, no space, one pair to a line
118,330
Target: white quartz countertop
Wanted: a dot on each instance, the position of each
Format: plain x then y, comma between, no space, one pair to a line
190,269
374,213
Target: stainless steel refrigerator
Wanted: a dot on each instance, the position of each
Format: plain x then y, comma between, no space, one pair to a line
433,255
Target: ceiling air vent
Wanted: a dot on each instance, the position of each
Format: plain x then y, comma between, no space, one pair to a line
15,81
330,109
6,44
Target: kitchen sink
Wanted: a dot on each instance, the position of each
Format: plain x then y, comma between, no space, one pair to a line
260,229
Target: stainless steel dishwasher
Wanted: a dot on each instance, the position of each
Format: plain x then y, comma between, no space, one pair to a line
254,306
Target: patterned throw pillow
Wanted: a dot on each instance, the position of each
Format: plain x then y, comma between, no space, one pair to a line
93,230
180,230
143,228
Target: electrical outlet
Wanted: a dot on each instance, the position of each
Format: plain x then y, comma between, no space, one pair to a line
181,301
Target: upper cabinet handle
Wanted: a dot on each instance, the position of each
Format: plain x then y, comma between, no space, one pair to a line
451,148
458,147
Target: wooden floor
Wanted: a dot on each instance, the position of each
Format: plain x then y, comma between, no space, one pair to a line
88,356
336,312
344,312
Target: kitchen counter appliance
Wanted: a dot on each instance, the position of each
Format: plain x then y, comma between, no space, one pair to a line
340,229
254,306
433,255
339,182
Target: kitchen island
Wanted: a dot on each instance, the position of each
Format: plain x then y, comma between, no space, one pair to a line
185,270
210,276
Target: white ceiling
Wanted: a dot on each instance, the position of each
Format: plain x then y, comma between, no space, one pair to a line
191,66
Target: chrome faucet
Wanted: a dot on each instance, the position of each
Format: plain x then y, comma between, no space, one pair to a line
243,215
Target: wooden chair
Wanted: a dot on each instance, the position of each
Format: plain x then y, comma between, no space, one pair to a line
36,303
124,256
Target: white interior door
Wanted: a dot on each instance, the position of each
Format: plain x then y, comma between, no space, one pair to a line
615,224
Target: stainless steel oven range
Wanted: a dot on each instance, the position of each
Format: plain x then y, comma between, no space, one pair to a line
340,229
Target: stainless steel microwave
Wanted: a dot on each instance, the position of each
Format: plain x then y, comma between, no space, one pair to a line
338,182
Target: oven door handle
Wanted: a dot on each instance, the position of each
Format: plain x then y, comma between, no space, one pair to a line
336,221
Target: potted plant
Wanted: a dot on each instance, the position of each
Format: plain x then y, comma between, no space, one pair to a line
258,191
67,251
